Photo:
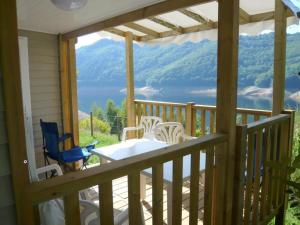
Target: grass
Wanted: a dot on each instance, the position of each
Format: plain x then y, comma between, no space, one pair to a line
85,138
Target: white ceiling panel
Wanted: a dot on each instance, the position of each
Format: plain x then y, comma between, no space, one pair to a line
152,25
209,10
257,6
178,18
42,15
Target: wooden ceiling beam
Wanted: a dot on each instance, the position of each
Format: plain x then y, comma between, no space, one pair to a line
121,33
177,29
194,16
244,16
152,10
143,29
214,25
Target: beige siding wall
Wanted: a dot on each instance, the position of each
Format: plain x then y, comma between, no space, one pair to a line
44,83
7,206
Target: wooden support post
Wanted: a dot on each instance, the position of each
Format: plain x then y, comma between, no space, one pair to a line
14,116
68,81
130,83
279,57
189,118
228,36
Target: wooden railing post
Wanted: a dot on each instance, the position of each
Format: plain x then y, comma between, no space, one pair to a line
71,208
286,142
130,105
189,118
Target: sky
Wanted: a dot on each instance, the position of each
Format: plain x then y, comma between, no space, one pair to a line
94,37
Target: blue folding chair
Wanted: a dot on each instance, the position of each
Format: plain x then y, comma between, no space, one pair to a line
51,142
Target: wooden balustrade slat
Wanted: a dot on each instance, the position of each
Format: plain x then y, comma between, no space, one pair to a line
134,205
164,113
209,186
157,195
106,203
274,132
194,187
248,197
275,159
256,185
203,122
194,121
151,109
256,117
157,110
219,183
283,158
179,114
177,192
239,181
265,204
138,113
212,117
171,113
145,112
189,118
244,118
71,208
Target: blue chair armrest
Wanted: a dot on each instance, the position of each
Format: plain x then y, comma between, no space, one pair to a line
65,137
91,146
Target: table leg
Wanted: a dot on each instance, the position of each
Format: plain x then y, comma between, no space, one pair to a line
143,186
169,202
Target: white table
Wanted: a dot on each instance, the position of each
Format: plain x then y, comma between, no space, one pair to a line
135,147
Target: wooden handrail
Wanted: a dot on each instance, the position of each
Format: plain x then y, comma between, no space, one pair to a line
159,103
76,181
197,119
268,122
207,107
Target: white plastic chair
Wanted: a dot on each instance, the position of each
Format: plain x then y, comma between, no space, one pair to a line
171,133
52,212
147,124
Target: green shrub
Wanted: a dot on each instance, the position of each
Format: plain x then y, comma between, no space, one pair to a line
99,125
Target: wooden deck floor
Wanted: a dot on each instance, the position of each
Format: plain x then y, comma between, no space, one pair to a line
121,199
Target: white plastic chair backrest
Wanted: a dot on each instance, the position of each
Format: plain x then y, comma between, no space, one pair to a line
169,132
148,123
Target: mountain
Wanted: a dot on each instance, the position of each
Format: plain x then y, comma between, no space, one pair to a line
189,64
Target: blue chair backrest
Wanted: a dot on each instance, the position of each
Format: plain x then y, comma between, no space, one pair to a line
50,137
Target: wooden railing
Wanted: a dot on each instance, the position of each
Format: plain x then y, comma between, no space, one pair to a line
260,192
68,186
197,119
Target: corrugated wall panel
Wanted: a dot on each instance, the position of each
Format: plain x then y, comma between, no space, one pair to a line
8,215
7,205
44,83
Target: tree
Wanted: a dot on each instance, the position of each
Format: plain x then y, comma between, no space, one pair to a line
112,117
98,112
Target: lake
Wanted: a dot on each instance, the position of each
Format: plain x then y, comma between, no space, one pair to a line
97,93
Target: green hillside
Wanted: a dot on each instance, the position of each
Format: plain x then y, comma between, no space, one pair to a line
189,64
